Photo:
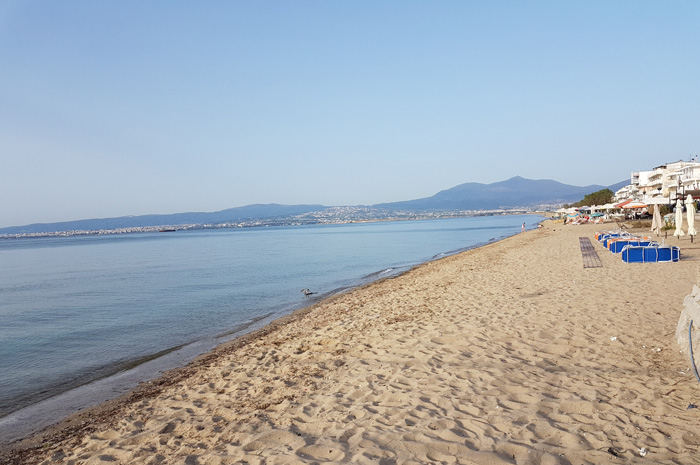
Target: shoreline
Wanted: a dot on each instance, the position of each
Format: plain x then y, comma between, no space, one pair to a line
262,223
464,336
97,416
85,401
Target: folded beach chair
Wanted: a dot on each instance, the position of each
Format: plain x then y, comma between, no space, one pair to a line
632,254
662,254
650,254
617,245
599,234
609,237
603,238
608,243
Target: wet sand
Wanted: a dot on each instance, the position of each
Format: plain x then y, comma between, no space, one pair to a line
510,353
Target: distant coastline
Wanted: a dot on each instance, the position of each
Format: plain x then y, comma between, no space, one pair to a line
513,196
339,215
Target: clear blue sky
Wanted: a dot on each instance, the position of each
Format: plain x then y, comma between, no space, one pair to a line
134,107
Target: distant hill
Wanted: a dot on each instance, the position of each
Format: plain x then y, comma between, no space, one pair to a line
249,212
514,192
616,187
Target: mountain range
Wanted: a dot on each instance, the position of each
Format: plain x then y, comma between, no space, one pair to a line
516,192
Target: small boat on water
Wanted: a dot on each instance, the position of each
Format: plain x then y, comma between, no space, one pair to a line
168,230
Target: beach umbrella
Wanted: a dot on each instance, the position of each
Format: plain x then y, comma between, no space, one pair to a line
656,222
679,219
634,204
690,206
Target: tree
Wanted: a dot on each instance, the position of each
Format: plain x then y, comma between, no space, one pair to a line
601,197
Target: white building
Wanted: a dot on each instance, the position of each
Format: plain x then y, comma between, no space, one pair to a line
667,182
690,176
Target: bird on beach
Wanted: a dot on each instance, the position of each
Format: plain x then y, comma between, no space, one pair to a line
308,292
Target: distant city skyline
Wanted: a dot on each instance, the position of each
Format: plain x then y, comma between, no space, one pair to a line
110,109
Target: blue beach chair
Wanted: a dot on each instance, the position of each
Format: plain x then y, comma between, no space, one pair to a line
617,246
667,254
633,254
606,238
650,254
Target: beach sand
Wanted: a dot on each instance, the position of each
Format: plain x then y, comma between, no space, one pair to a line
509,353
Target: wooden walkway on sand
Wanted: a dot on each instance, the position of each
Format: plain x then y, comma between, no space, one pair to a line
588,253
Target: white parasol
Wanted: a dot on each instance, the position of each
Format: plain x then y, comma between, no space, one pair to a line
679,219
656,221
690,206
633,204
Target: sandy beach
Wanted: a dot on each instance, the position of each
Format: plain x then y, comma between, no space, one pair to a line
509,353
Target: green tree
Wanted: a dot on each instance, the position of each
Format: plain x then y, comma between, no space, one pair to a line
601,197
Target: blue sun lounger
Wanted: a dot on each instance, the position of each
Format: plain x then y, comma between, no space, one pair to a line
606,237
663,254
650,254
617,246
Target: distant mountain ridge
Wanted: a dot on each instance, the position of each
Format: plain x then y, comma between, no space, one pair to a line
513,192
516,192
249,212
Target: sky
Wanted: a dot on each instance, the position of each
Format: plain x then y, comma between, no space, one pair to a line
138,107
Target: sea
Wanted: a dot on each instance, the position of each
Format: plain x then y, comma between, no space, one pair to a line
86,318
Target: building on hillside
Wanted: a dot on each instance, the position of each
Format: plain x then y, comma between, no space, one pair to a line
655,182
678,177
690,177
624,193
645,187
665,182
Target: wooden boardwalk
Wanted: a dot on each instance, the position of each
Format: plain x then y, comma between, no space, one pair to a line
588,253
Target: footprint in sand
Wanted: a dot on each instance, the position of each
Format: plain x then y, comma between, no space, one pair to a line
321,453
275,439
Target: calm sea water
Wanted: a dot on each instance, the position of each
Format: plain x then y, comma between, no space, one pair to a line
75,309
